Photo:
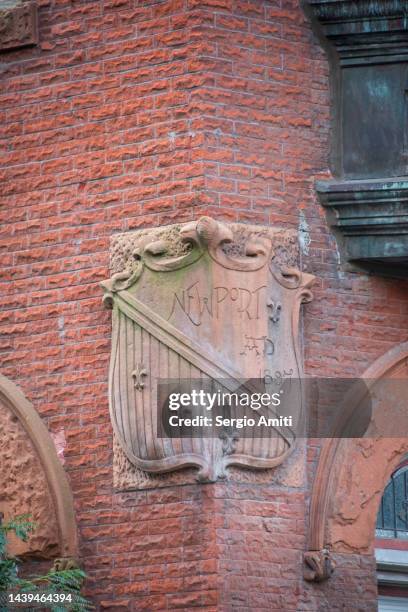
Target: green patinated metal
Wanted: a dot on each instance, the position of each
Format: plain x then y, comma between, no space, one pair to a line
346,9
370,221
367,202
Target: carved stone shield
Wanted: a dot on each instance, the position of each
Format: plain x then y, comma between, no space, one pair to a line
203,300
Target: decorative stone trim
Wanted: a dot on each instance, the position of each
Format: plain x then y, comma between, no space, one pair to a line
18,26
318,565
64,563
14,406
339,461
172,289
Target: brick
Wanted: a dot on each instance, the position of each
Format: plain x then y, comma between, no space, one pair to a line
129,115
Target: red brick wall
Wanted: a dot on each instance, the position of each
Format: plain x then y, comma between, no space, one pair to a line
132,114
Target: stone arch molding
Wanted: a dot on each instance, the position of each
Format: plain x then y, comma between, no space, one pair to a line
32,478
352,473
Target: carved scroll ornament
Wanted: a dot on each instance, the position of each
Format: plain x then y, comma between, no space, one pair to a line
318,565
203,300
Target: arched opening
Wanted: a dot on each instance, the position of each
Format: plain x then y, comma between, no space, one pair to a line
392,518
33,479
352,473
391,543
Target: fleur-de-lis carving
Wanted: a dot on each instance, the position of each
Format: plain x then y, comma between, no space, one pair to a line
229,442
276,309
138,375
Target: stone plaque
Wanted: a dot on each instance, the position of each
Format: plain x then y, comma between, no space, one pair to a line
203,300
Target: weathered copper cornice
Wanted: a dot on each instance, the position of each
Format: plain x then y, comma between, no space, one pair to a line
367,46
333,10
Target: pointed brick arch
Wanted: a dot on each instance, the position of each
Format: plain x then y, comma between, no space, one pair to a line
33,479
352,473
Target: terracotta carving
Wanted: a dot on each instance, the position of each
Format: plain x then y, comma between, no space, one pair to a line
64,563
353,472
18,26
33,480
318,565
203,300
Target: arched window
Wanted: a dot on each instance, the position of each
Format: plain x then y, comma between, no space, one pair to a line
392,519
392,555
